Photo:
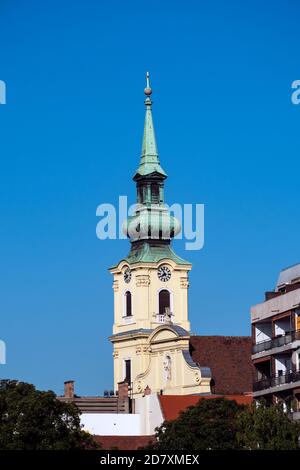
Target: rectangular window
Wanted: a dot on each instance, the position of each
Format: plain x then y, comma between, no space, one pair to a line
127,371
128,304
155,193
140,195
298,320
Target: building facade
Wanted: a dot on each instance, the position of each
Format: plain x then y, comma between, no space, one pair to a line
229,359
151,328
276,343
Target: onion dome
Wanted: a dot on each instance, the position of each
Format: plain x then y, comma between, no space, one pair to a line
151,224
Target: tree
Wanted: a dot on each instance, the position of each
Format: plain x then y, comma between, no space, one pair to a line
34,420
211,424
267,428
223,424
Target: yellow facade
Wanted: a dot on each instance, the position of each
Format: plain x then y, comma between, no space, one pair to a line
144,287
158,350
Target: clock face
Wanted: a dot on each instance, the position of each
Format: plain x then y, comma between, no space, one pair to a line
127,275
164,273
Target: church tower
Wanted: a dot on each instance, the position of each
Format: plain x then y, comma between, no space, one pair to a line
151,327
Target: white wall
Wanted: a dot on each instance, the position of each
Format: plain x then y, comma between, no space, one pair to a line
147,417
263,332
296,358
281,326
111,424
282,363
149,409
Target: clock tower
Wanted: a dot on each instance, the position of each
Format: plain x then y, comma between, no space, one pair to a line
151,327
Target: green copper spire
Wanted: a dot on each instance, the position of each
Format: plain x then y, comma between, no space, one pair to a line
152,227
149,162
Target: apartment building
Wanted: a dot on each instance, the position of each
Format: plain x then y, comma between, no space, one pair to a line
276,343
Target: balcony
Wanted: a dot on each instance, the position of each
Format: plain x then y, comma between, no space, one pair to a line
276,380
128,319
164,318
276,342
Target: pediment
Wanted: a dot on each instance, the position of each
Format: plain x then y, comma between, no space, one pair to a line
162,335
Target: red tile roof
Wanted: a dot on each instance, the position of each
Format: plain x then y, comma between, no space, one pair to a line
123,442
229,358
172,405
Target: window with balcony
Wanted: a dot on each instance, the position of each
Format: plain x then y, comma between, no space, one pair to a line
282,326
283,364
164,314
263,332
263,369
284,373
164,301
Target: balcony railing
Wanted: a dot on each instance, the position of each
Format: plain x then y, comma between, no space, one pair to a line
128,319
276,342
277,379
164,318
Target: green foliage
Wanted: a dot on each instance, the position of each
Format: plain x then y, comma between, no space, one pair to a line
211,424
267,428
223,424
35,420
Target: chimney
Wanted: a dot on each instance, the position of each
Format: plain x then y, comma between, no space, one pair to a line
123,390
69,391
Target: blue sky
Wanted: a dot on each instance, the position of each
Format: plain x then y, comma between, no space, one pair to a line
71,131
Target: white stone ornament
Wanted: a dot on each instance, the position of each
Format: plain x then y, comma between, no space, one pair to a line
167,368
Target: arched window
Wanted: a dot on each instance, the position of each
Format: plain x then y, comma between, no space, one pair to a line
128,309
164,301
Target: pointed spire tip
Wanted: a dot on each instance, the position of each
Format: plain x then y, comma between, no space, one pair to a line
148,90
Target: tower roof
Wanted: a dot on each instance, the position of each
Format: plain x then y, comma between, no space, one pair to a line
151,253
149,162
